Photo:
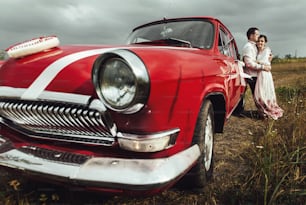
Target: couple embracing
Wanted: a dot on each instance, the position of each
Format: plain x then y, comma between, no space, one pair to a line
257,57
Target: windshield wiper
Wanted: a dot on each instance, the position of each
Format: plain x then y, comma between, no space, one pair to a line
179,41
170,41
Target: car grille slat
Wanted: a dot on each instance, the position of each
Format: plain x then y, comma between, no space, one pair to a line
64,117
39,115
62,157
89,125
28,111
78,126
49,113
86,116
42,116
12,111
56,121
37,120
50,119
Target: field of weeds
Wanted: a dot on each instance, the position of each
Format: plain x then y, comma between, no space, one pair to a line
256,161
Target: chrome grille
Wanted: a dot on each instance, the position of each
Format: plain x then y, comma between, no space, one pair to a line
57,121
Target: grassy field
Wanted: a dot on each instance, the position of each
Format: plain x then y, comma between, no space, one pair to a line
256,161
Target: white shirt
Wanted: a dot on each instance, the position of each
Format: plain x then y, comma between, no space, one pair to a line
249,55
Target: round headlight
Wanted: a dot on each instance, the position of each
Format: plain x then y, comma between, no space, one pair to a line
117,83
121,81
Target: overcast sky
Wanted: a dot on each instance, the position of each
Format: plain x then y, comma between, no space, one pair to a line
110,21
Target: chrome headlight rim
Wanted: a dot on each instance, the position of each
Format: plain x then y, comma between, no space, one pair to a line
137,67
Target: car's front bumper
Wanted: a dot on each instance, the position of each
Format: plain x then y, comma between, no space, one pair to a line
104,172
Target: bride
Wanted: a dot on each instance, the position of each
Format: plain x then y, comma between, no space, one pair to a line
264,94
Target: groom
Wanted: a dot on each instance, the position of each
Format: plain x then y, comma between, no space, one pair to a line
249,54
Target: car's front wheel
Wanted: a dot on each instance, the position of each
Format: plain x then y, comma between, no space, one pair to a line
204,138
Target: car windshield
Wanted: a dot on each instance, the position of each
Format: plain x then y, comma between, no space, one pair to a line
192,33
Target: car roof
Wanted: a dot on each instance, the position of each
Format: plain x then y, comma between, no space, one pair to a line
165,20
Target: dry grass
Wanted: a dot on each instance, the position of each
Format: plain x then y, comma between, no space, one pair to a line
279,157
256,162
286,74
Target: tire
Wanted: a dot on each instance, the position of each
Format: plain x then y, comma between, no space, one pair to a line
202,172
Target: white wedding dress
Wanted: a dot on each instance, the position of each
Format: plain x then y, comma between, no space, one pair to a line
265,97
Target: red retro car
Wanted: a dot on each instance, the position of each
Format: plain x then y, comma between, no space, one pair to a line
131,118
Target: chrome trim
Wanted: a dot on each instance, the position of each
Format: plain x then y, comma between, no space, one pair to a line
140,72
107,172
58,116
11,92
148,136
148,142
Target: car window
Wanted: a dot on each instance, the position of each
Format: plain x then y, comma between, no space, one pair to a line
226,44
233,50
223,43
198,33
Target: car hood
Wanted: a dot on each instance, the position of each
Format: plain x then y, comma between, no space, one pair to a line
68,68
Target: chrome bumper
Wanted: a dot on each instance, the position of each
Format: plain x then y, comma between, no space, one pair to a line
111,173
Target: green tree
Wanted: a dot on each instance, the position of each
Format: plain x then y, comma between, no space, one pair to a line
288,56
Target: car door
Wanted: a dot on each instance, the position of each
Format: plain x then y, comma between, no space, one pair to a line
227,48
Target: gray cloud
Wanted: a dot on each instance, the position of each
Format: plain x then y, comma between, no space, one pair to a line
110,21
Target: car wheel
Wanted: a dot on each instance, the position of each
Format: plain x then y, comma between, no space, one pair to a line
204,138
